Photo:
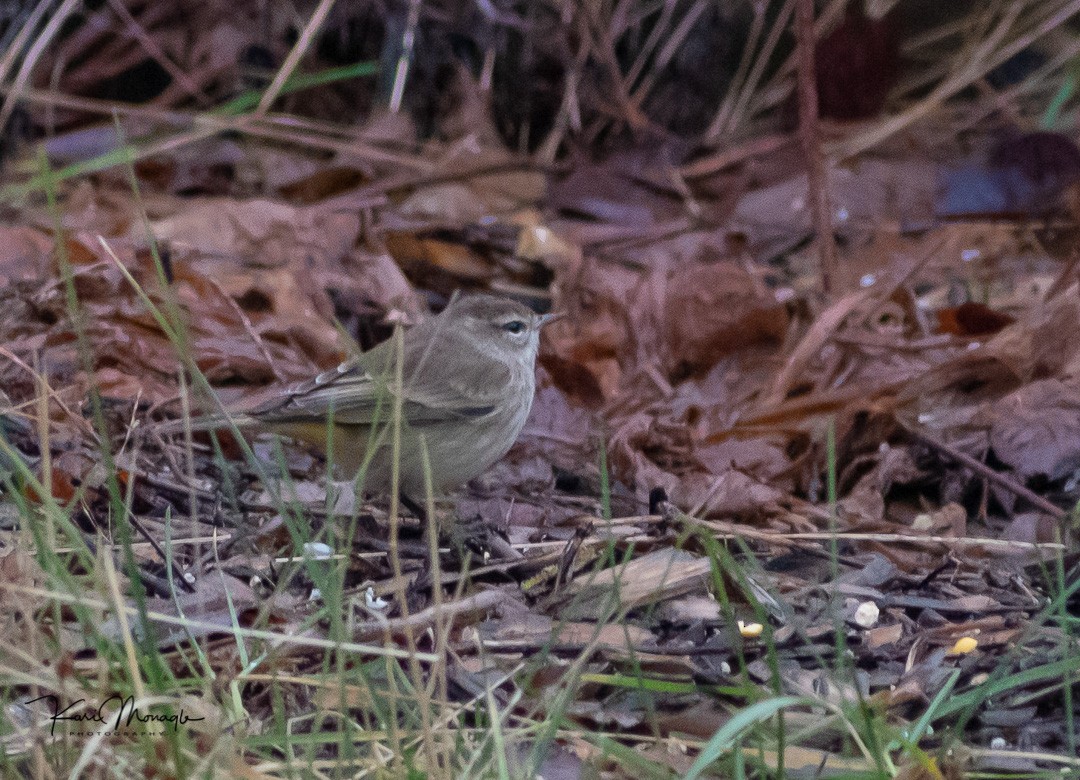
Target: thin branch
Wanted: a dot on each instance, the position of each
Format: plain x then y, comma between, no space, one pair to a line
809,132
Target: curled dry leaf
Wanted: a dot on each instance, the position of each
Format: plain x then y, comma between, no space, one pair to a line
631,450
713,310
1036,429
1031,528
949,520
218,600
951,394
282,309
632,187
263,232
904,190
96,210
729,493
761,458
421,255
505,187
586,353
1041,166
254,326
643,344
686,322
972,319
372,279
1042,343
24,254
451,203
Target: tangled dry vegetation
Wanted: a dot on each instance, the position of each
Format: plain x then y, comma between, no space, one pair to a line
797,493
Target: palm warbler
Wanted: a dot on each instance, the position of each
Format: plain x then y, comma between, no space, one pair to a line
464,383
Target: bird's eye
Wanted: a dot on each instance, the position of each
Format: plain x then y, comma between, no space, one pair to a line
514,326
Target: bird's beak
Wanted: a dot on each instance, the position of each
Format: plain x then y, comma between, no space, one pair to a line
551,317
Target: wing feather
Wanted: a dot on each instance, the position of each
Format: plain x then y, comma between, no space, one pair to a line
359,396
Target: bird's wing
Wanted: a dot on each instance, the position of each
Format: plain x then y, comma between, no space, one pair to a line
359,396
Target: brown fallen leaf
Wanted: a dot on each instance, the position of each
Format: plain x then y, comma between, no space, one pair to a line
265,233
1036,429
715,309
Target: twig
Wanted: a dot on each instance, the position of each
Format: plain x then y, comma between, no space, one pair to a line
408,44
178,573
417,622
980,61
315,135
248,325
151,47
954,541
1002,480
280,638
810,135
714,163
287,68
81,422
40,44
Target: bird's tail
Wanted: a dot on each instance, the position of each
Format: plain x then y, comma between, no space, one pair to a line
209,422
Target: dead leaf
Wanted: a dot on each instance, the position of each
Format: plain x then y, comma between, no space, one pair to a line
1036,429
24,254
713,310
263,232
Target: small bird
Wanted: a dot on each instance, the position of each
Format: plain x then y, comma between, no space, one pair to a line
467,380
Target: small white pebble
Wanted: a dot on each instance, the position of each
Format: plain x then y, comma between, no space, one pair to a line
866,615
317,551
867,280
922,522
189,578
315,594
725,667
998,743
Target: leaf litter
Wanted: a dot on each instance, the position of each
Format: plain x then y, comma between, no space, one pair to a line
696,408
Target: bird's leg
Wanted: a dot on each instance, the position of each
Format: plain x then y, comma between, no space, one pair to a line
427,568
